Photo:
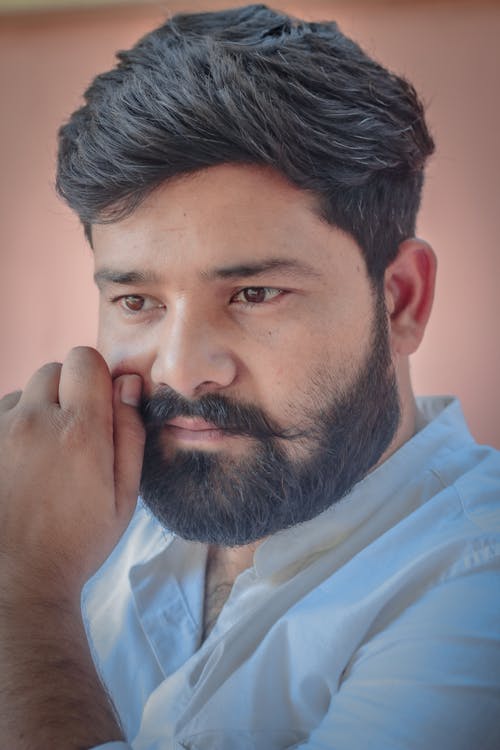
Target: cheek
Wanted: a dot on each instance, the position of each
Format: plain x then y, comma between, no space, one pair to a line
287,378
123,347
311,372
105,343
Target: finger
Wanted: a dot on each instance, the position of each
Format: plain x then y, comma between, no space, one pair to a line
9,401
85,384
43,386
128,436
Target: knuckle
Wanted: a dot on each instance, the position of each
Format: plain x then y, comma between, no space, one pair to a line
84,363
11,394
85,355
48,371
81,430
50,368
69,426
10,398
24,423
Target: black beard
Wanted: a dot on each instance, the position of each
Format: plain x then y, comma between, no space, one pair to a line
223,500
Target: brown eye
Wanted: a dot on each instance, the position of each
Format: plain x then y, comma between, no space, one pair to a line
255,294
133,302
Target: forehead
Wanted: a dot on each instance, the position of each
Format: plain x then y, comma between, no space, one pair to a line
221,216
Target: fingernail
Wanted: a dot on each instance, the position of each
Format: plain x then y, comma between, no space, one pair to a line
130,389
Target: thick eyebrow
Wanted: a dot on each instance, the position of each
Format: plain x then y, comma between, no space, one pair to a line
290,266
126,278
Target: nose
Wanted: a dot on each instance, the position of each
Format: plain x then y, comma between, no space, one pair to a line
191,357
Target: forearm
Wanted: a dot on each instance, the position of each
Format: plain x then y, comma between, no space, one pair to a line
50,694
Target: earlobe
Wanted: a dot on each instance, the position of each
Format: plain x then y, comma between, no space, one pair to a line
409,293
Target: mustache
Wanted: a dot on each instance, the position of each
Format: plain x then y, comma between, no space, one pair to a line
226,414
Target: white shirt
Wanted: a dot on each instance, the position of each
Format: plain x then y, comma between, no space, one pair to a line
375,626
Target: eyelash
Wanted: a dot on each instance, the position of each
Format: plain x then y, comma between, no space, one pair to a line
121,299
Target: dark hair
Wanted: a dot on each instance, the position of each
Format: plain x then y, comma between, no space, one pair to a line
252,86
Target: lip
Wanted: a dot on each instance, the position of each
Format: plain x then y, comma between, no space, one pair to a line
194,430
192,424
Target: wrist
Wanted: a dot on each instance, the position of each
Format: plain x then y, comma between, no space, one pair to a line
46,671
40,588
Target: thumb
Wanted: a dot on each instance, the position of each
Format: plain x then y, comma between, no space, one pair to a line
128,438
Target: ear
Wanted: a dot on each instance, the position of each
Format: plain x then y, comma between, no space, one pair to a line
409,291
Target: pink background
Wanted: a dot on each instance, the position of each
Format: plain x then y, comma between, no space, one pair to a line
449,50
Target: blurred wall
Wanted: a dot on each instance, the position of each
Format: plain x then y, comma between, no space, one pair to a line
449,50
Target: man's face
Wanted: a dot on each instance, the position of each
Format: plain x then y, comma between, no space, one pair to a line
268,383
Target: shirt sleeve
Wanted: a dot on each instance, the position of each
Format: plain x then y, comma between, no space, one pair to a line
430,680
113,746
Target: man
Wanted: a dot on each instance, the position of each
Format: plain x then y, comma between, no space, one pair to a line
314,560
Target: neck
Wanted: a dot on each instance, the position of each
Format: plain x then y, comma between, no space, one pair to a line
408,420
224,565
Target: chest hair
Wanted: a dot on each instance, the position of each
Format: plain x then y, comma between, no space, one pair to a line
223,567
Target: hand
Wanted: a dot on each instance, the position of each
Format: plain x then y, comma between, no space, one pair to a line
71,449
